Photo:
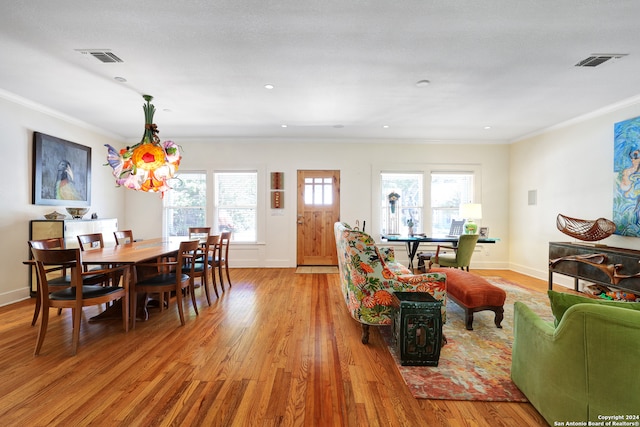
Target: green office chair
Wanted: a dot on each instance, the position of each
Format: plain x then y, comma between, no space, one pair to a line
461,256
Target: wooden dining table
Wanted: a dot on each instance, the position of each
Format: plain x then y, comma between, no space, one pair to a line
131,254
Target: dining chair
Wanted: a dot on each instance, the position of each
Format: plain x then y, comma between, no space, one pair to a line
77,294
57,281
123,237
181,277
203,269
90,241
221,256
462,252
199,233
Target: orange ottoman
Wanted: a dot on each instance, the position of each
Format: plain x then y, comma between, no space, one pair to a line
473,293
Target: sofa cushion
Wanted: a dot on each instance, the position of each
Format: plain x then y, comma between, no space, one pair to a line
561,301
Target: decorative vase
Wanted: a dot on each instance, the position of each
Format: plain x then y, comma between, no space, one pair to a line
411,231
392,206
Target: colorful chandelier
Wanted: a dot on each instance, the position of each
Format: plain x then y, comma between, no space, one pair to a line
148,165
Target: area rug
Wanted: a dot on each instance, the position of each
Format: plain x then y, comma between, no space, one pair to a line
474,365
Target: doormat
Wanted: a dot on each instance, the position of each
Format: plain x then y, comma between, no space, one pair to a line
473,365
317,270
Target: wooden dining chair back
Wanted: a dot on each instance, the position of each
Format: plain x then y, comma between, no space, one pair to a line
90,241
77,295
176,277
199,233
220,261
57,274
204,267
123,237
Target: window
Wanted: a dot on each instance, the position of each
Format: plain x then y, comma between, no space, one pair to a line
408,206
318,191
448,191
236,204
430,205
186,205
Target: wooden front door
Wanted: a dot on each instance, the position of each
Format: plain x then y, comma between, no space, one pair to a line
318,210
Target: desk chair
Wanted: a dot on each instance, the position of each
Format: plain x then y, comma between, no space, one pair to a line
77,295
456,229
461,257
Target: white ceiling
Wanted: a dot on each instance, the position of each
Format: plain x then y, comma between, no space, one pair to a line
341,69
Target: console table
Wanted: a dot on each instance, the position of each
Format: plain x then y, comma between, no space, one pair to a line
605,265
413,242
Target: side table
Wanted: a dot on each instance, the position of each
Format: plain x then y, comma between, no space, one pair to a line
417,328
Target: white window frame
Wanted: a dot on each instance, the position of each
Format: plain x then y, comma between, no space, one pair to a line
166,207
466,198
402,227
426,169
257,207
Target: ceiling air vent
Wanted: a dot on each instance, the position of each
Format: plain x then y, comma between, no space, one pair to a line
103,55
599,58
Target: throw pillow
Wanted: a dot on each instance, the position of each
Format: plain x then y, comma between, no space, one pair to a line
561,301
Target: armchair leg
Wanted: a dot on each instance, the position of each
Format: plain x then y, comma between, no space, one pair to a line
365,334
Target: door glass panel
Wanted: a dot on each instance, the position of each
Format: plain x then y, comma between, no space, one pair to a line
318,191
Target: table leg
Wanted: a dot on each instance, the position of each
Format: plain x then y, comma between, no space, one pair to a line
412,249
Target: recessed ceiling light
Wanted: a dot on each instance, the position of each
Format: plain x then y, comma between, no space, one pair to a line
423,83
120,79
487,127
269,86
283,126
385,126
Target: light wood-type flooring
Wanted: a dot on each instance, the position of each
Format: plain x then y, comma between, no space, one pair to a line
276,349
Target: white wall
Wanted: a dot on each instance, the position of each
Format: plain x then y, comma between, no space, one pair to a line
17,124
358,164
571,167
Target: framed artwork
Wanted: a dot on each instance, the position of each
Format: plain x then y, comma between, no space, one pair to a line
61,172
277,180
484,232
626,169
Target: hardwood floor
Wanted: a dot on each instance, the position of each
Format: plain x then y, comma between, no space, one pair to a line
278,348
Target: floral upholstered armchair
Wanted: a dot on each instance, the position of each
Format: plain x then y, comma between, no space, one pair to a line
369,275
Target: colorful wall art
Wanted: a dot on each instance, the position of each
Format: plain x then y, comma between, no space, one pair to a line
626,168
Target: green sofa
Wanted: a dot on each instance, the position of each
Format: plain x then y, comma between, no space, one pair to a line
584,369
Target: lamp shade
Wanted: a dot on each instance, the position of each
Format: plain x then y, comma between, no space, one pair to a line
471,211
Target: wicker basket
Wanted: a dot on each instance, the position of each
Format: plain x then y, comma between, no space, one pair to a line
587,230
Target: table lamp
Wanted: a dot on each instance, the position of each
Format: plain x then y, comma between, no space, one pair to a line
471,211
